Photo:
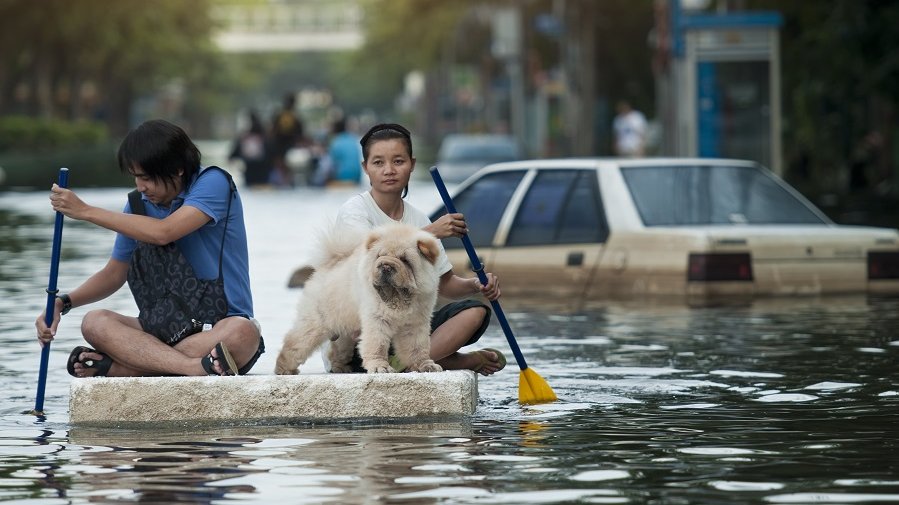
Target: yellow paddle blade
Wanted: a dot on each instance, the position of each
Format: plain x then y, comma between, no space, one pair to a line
533,389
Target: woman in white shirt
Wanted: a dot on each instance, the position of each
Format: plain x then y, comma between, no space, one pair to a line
388,162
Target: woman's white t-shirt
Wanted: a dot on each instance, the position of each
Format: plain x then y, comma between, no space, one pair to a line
362,212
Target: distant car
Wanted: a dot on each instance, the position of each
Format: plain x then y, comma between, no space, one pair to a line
461,155
597,228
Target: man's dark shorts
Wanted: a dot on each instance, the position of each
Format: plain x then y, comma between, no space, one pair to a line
440,316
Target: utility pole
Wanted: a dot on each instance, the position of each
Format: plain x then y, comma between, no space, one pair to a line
507,46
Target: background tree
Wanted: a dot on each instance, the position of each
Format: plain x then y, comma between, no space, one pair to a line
92,58
840,69
599,48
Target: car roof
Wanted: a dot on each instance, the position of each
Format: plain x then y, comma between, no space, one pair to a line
477,136
610,162
456,140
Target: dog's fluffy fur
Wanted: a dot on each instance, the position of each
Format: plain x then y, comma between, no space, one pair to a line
381,287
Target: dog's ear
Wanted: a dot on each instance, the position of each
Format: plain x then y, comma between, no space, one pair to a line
371,239
429,249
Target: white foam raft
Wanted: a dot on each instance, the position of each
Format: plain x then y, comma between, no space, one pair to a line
272,398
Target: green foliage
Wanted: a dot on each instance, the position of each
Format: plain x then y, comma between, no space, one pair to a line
90,165
401,36
409,34
123,47
840,67
22,133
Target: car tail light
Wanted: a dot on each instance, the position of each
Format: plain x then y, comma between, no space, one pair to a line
720,267
883,265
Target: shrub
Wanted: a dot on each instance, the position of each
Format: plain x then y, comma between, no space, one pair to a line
33,149
24,133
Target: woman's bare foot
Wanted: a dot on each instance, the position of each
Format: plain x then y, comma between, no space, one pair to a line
483,361
490,361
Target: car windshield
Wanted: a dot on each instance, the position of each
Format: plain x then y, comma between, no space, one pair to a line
489,151
704,195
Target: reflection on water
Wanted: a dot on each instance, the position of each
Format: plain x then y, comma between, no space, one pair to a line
770,401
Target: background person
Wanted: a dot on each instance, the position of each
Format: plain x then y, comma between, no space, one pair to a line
184,256
629,127
250,147
388,163
286,133
345,154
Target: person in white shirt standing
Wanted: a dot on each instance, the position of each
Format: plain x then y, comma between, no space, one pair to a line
630,131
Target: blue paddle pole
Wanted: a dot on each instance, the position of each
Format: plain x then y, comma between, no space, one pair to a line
51,298
531,387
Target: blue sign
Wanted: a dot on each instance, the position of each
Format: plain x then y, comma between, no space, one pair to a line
708,104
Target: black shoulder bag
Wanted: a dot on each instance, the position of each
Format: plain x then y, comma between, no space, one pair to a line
172,302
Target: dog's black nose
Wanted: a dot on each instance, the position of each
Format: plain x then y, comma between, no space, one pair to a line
386,270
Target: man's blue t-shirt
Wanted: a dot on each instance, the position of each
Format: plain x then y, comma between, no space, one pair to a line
209,194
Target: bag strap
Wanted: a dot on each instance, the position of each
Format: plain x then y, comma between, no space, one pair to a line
231,189
136,202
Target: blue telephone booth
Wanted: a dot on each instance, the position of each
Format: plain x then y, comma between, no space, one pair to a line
723,86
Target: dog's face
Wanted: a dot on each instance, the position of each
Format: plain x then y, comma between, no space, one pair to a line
401,260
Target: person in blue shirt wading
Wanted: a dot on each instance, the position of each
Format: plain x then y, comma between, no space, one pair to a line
182,248
346,154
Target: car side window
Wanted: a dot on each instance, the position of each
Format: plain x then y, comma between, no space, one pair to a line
483,204
561,207
583,218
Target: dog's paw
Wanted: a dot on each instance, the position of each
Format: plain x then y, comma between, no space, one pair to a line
286,371
427,366
341,369
379,367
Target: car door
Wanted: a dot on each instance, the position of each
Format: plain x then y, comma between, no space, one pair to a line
556,236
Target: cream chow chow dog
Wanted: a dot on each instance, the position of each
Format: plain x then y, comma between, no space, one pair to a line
382,289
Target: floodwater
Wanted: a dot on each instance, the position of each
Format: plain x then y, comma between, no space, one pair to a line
777,401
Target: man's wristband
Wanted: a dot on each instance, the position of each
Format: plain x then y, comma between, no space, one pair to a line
66,304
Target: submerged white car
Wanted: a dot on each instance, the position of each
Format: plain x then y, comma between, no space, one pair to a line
596,228
461,155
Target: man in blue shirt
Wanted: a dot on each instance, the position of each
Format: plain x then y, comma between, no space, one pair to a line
182,248
346,154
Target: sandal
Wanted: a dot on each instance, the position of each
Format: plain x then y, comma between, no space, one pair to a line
221,353
101,366
481,353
